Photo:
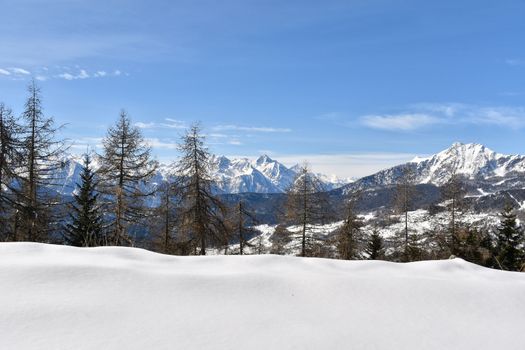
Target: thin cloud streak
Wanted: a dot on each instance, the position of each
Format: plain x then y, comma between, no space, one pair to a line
251,128
171,124
59,72
404,122
425,115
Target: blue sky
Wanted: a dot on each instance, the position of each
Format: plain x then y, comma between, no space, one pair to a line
350,86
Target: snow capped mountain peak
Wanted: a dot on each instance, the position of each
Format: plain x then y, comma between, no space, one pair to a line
262,175
264,159
222,162
472,161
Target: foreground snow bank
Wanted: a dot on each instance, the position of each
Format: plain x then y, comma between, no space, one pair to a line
54,297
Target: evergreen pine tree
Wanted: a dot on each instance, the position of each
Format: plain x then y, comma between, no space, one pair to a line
85,229
374,248
509,239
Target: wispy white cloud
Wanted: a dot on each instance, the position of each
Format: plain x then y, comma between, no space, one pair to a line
168,123
56,72
513,117
250,128
514,62
142,125
14,72
20,71
403,122
424,115
83,143
69,74
82,74
217,135
174,124
161,144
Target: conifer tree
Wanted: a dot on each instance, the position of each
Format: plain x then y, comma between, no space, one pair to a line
85,228
453,192
405,192
509,238
126,165
165,218
10,160
242,222
306,205
374,248
42,160
201,213
474,246
349,234
280,238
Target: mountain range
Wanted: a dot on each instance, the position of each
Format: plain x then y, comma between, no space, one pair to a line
491,179
239,175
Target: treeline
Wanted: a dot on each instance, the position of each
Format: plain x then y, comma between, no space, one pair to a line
116,204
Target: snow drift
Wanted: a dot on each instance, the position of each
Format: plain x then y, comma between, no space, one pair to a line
55,297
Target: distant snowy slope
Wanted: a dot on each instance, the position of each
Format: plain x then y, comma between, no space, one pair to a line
56,297
472,161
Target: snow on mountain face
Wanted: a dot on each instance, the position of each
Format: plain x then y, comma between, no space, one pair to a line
472,161
263,175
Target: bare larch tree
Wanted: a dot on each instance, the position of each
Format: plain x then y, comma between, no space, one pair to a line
403,198
306,205
201,213
241,222
348,236
10,159
125,167
453,192
42,160
165,223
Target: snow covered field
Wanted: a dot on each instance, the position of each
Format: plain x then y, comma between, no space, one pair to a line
55,297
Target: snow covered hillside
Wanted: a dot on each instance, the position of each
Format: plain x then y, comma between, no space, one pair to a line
56,297
472,160
491,179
